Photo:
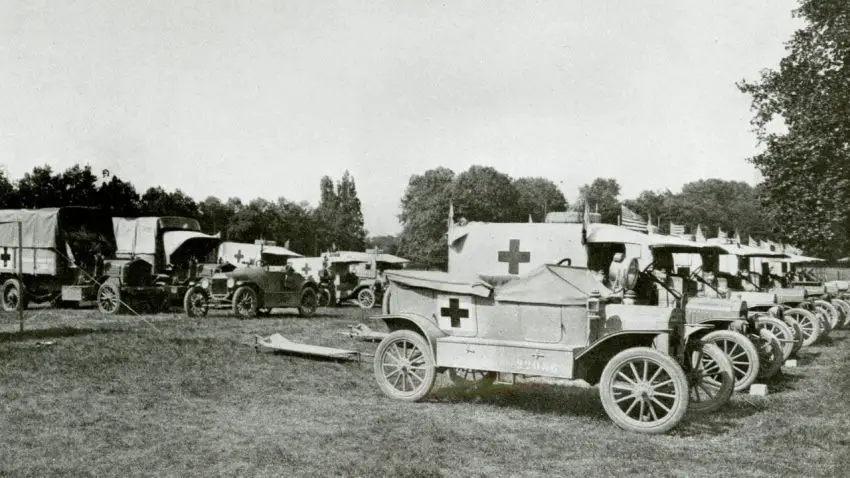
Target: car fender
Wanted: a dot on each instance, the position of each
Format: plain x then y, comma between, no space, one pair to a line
418,323
642,337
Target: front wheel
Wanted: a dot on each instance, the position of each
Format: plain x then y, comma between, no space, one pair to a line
844,307
711,379
196,303
324,297
798,334
809,324
770,354
404,366
309,303
643,390
109,298
366,298
246,304
783,333
741,352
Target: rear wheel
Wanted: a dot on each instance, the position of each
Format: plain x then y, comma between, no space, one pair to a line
809,324
798,334
741,353
844,306
324,297
831,313
465,377
13,295
711,379
643,390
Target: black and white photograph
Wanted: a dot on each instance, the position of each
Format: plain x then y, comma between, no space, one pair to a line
472,238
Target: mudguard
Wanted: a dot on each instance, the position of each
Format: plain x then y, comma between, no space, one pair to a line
712,309
418,323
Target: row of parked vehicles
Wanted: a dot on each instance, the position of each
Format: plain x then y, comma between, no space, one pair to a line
77,256
653,320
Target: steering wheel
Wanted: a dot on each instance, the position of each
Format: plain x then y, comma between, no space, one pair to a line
567,260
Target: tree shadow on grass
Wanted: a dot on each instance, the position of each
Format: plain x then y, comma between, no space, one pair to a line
805,358
782,382
530,397
52,333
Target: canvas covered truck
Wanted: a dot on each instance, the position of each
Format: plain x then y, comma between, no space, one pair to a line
554,321
65,252
157,259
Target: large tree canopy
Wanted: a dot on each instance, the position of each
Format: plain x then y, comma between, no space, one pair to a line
806,167
601,195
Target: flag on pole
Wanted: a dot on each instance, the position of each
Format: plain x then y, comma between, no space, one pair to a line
751,241
649,227
737,237
699,236
721,234
529,218
677,229
631,220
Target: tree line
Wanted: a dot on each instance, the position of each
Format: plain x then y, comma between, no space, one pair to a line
337,222
485,194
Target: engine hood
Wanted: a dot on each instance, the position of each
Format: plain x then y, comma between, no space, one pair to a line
707,309
756,299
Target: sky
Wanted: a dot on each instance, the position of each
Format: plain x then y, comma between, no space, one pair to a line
262,98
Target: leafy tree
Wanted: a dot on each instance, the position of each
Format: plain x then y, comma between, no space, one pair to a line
78,187
259,219
661,206
119,197
424,217
483,194
40,188
349,230
216,215
296,225
326,215
157,202
602,194
539,196
806,167
8,192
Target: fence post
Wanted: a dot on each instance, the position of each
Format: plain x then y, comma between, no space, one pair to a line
21,274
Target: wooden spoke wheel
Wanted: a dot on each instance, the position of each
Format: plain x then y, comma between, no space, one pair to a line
246,304
844,307
366,298
741,353
711,379
783,333
809,324
13,295
109,298
404,366
831,313
643,390
468,377
770,354
196,303
309,302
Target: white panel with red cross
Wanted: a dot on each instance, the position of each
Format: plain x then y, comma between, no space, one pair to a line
456,314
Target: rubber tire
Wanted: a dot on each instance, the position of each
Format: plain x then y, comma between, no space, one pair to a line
366,298
751,354
679,382
798,334
308,295
723,383
113,289
424,349
808,322
7,286
324,297
255,304
783,333
845,309
770,354
194,311
834,315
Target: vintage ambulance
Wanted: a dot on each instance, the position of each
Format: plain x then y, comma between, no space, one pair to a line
554,321
63,255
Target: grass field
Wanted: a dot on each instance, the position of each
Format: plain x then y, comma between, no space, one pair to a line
167,396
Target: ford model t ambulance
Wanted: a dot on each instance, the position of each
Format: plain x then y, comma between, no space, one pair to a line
555,321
